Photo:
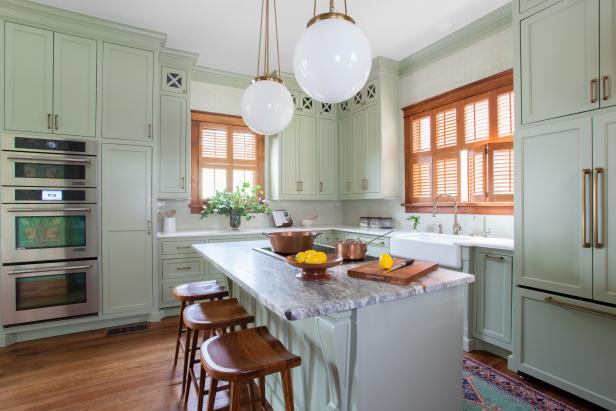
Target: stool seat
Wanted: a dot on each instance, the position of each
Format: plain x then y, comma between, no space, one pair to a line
246,354
216,314
200,290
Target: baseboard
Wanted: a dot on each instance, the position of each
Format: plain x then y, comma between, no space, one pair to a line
479,345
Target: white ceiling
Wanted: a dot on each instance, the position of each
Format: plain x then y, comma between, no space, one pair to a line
225,32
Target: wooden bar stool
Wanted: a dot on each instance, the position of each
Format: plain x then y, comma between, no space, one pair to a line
209,317
239,358
189,293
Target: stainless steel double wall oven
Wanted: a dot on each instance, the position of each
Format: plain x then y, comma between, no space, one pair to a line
49,220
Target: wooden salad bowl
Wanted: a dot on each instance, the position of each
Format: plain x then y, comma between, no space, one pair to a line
315,271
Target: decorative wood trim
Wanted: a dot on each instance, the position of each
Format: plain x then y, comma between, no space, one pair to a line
478,208
502,79
198,117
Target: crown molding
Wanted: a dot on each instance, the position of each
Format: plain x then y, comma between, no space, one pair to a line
486,26
178,58
52,18
236,80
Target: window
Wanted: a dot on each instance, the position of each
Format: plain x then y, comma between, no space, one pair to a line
461,143
225,154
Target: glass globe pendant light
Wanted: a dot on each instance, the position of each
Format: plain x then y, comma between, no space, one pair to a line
332,59
266,105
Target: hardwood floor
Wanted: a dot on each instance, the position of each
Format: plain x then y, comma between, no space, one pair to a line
500,364
129,372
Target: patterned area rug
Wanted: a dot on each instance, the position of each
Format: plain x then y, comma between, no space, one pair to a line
488,389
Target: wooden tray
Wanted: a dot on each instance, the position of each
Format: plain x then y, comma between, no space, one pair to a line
402,276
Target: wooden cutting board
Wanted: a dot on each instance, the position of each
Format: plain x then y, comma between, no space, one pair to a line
401,276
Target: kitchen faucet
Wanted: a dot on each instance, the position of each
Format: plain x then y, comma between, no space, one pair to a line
456,226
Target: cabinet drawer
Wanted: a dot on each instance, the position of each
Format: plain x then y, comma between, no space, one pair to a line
179,248
182,268
572,349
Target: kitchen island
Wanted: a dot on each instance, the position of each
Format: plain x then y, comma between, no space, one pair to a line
364,345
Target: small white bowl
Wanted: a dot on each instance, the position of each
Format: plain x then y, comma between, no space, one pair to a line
307,223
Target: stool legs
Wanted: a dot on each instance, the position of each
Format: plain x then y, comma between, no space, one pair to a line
186,345
211,398
191,362
287,388
179,337
234,393
261,393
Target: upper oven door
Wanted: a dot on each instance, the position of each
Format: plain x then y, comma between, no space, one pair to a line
47,170
47,232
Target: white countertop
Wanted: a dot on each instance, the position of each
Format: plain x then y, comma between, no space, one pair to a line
462,240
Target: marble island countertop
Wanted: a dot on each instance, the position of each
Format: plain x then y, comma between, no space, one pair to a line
272,282
462,240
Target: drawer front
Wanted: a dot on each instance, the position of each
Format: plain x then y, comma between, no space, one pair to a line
181,248
182,268
572,349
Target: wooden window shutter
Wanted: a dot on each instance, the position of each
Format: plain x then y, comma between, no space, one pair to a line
504,114
446,128
421,180
477,172
477,119
421,134
213,141
446,176
501,157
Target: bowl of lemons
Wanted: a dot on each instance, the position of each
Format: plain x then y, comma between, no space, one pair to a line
313,264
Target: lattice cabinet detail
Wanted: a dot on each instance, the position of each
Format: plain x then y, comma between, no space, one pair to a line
173,80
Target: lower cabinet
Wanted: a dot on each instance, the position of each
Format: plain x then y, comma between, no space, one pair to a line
567,343
492,298
126,229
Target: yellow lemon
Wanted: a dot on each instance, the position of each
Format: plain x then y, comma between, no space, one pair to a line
321,257
386,262
308,252
300,257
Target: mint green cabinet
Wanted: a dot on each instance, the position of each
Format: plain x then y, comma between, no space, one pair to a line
50,82
74,96
493,294
345,155
327,158
372,156
604,253
289,166
126,199
358,164
127,93
307,155
28,100
607,34
550,254
172,151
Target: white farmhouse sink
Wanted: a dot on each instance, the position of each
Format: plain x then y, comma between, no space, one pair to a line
438,248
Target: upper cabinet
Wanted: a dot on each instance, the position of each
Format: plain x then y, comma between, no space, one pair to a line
127,93
173,147
559,81
50,82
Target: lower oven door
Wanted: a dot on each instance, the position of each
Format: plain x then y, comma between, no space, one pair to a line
48,232
40,292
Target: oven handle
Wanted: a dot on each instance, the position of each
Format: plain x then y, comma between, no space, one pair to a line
45,210
56,160
47,269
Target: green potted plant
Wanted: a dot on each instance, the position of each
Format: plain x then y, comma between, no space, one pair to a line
245,201
414,220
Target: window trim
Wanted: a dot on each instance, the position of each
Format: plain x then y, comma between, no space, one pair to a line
197,117
457,97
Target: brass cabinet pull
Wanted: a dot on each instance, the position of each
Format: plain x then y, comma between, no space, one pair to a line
320,187
49,121
183,181
149,227
606,90
186,247
183,268
585,173
495,257
348,185
57,121
551,300
595,207
593,90
149,130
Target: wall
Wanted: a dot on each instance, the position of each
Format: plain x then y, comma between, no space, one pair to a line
223,99
484,58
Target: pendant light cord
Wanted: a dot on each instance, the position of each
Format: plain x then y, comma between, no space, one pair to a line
331,7
277,43
260,38
265,19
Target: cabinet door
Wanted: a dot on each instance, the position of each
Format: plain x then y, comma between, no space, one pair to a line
289,148
127,230
373,150
74,99
607,26
28,102
172,150
127,93
345,154
358,180
560,60
604,158
552,248
493,288
307,155
327,158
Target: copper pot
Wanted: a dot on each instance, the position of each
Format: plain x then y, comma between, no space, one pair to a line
291,242
351,249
